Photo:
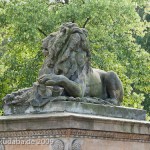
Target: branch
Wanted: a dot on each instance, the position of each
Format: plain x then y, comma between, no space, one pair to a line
87,19
40,30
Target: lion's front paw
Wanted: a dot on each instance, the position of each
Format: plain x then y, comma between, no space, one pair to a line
51,79
42,79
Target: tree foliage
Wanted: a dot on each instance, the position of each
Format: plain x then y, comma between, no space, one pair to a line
112,26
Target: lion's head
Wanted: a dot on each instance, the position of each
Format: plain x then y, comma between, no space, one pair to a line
67,51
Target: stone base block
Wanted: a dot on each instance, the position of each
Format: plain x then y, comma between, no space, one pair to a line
70,131
79,108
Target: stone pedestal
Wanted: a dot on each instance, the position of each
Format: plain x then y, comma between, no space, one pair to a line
79,108
71,131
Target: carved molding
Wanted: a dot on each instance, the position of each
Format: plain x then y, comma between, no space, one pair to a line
58,145
76,133
76,145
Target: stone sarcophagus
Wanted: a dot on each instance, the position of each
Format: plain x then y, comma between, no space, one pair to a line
71,106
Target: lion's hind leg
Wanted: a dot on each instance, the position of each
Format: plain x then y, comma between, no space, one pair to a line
114,87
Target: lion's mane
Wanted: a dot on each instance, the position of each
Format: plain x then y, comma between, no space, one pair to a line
68,51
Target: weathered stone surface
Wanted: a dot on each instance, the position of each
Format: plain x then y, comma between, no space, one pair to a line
66,71
25,124
68,102
70,131
80,108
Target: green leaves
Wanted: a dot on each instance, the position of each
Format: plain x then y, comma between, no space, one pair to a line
113,28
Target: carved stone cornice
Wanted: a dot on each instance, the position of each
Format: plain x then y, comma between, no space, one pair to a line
76,133
57,121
